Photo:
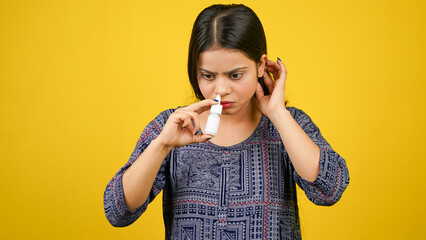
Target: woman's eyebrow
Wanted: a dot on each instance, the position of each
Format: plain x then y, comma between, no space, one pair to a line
228,72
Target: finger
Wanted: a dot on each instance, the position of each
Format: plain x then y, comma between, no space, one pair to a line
268,82
201,138
201,106
259,91
283,72
183,117
187,123
272,65
274,68
283,68
196,123
194,119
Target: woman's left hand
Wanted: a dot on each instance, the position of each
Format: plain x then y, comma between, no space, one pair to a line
270,104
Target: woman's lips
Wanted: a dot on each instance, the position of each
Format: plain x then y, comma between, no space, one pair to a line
226,104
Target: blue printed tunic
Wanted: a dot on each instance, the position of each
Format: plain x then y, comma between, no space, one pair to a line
244,191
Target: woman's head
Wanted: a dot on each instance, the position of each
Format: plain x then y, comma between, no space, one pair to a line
233,27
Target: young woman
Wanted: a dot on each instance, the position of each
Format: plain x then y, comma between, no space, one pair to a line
241,183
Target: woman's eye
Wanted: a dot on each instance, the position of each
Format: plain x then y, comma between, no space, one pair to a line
235,75
208,76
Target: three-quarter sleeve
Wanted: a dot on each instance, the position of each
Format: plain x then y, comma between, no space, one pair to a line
333,175
114,205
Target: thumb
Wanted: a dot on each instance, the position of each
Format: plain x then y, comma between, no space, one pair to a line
259,91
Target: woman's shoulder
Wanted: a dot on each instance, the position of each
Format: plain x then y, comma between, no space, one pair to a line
299,115
166,113
295,112
162,117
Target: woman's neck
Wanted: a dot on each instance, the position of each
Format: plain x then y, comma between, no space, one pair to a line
237,127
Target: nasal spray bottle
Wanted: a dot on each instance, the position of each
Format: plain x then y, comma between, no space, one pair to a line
214,118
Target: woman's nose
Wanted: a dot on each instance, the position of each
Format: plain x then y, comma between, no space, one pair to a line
222,86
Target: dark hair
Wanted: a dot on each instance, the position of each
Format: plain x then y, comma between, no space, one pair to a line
232,26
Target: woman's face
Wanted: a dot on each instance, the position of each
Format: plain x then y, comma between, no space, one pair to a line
232,75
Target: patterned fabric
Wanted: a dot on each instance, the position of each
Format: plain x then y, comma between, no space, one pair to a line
245,191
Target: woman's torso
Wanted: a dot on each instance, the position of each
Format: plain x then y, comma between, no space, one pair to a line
244,191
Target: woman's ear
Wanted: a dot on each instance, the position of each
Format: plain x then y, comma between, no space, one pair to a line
261,65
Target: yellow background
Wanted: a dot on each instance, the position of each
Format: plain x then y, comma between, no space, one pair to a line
81,79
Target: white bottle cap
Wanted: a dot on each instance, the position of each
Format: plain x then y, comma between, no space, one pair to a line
216,108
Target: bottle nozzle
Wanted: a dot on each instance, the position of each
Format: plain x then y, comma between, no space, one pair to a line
218,98
217,108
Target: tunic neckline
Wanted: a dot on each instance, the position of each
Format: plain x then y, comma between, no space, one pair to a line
237,145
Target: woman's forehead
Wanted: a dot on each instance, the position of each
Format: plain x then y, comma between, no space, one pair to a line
222,60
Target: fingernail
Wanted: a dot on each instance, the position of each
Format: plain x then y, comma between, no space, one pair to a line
216,100
279,59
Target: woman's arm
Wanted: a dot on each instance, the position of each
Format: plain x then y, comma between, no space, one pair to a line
115,205
319,170
179,130
303,152
139,178
333,174
136,184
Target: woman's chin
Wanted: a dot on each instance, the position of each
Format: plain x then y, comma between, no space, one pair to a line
228,111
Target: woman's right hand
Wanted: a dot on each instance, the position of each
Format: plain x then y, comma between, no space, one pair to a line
182,125
178,131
